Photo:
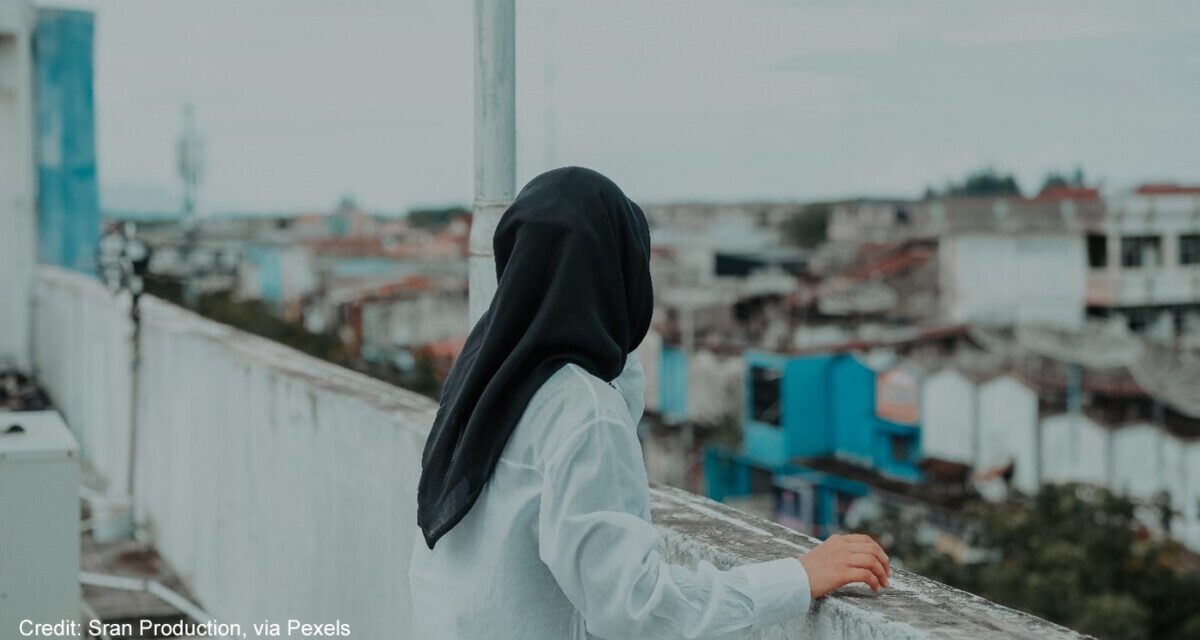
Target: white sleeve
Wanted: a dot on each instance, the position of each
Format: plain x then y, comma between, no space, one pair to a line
605,555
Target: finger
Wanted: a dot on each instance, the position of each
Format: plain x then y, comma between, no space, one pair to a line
865,576
874,550
872,563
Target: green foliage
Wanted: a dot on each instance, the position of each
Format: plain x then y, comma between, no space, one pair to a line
434,219
808,227
1055,179
253,316
986,182
1120,617
424,379
1074,555
728,431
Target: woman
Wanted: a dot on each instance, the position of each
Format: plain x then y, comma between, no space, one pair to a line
533,500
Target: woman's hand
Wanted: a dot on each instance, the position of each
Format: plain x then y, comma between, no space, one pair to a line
841,560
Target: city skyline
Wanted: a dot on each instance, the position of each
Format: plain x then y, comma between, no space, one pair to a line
824,100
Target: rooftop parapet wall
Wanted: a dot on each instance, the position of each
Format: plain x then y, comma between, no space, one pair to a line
280,486
696,528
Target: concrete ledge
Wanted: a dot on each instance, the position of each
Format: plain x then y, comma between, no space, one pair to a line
696,528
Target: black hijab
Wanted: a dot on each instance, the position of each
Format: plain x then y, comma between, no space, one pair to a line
573,286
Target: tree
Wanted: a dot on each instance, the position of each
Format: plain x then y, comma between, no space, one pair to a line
986,182
808,227
1055,179
424,378
434,220
1072,554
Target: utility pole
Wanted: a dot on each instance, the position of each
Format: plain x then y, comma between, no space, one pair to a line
495,141
190,153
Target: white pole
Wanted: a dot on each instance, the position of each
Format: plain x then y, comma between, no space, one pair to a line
495,140
18,190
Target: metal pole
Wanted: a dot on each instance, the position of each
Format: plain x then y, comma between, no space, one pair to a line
495,140
191,167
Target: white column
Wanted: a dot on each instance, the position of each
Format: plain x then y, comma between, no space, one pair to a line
18,219
495,140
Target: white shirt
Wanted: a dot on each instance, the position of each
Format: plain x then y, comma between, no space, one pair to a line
560,544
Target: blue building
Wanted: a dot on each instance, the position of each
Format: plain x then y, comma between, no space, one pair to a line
673,384
812,428
68,196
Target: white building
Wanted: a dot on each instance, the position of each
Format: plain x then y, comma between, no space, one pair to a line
1143,254
1004,279
1008,430
1075,448
1148,462
866,220
17,187
1191,498
715,386
948,417
413,320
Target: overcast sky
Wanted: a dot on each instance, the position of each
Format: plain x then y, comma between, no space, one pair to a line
303,101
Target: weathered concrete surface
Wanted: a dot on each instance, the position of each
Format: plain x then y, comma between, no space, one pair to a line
913,607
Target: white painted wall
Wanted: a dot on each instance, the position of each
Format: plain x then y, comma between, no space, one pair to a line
1175,470
1167,216
649,353
1147,460
1075,449
1005,279
1008,424
1139,461
18,195
276,484
83,353
715,386
948,417
1191,498
411,322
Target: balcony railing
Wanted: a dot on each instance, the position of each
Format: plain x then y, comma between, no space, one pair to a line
281,486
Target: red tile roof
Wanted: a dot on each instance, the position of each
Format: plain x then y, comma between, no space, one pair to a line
1167,188
1069,193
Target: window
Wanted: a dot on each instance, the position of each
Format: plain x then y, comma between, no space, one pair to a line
1097,250
765,396
1189,249
901,448
1141,251
796,507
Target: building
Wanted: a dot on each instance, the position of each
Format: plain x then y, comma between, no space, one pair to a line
989,260
814,436
18,186
1143,256
391,321
1134,253
48,207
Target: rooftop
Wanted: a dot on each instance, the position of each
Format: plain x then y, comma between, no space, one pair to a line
248,457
